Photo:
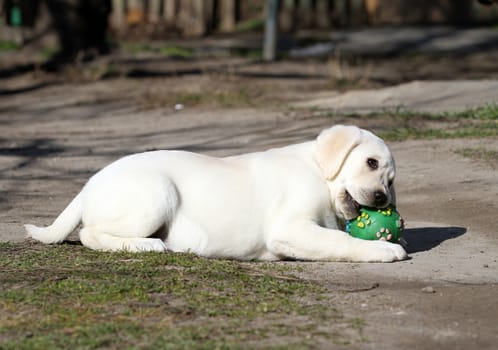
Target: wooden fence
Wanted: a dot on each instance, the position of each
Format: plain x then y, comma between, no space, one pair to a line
199,17
191,17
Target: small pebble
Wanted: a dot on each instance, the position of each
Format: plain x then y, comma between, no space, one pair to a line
428,290
485,265
179,107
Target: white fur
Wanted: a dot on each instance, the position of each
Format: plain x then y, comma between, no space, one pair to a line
281,203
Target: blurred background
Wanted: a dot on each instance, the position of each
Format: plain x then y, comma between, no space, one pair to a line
52,33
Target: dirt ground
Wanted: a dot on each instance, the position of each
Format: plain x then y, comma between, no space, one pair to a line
57,131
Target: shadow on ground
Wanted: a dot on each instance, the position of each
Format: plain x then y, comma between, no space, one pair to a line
426,238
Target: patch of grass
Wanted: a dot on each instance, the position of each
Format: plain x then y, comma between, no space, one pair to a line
251,25
488,156
486,112
175,51
460,131
7,45
48,53
134,47
399,124
168,50
66,296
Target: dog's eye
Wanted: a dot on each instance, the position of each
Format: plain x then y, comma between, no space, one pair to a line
373,163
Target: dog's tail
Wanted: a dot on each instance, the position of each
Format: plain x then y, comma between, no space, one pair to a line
65,223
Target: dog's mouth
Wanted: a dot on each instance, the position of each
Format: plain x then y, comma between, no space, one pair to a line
353,205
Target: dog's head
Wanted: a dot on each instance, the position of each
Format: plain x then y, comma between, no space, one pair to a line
358,167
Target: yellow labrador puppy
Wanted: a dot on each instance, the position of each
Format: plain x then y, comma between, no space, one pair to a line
281,203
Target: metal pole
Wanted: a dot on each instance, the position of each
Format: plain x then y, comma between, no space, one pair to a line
270,39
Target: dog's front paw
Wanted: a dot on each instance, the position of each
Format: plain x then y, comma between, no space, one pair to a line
381,251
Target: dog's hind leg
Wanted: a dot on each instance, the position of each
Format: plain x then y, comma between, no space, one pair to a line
93,238
125,213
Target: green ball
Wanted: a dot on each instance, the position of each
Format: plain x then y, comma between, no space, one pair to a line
377,224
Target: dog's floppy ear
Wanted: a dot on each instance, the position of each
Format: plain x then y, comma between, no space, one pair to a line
333,146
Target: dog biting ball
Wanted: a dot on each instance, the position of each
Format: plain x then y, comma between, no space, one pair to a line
377,224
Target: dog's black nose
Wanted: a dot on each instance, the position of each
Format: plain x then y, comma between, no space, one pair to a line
380,198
